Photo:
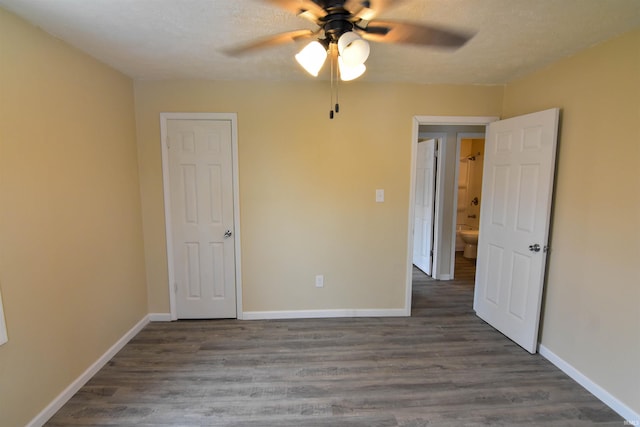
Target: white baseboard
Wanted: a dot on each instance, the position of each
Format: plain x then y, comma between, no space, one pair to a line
160,317
315,314
73,388
632,417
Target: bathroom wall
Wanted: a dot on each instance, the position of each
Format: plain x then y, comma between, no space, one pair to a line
475,182
464,166
463,191
463,182
470,166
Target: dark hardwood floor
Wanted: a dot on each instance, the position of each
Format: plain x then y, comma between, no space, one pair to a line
441,367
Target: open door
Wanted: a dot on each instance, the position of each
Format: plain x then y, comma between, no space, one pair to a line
514,224
424,205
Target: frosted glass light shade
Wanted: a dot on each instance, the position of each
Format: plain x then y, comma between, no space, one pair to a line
348,73
353,49
312,57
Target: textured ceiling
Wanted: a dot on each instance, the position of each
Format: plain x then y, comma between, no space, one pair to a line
183,39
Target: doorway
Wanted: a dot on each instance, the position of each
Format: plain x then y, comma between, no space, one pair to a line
444,224
514,222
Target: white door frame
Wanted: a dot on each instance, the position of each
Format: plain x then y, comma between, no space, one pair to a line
233,117
417,122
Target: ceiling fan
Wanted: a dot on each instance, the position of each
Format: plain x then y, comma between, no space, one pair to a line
344,29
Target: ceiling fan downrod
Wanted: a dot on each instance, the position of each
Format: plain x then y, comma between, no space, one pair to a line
336,21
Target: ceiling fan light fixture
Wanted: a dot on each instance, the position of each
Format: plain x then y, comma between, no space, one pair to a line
348,73
353,49
312,57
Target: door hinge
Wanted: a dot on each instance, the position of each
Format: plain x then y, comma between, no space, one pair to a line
175,288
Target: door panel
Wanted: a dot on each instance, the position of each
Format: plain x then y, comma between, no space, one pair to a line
202,217
424,205
514,217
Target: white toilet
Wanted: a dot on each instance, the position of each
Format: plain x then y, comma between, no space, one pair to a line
470,239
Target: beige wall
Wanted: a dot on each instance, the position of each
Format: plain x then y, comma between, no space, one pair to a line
591,317
307,184
71,253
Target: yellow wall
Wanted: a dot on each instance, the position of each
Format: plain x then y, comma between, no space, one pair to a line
71,251
591,317
307,184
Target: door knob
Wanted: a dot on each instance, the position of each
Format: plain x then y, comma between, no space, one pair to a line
227,234
534,248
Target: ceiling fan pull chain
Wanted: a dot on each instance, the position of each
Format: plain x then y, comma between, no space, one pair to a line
334,58
337,89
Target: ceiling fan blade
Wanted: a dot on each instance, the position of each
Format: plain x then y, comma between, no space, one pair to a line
368,10
308,9
416,34
271,41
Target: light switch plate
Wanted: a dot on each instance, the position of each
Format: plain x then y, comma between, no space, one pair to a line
3,327
379,195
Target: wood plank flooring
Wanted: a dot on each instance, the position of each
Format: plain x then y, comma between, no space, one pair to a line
441,367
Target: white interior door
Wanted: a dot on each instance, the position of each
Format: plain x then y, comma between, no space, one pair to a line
514,223
202,217
424,205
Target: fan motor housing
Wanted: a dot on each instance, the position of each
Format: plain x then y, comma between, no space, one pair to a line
335,28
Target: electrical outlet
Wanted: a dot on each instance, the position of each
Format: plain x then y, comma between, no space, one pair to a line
380,195
319,281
